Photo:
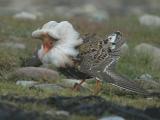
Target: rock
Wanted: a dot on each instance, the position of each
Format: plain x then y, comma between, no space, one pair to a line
58,113
54,87
147,48
146,77
13,45
35,73
150,20
71,82
25,16
26,83
112,118
152,51
62,113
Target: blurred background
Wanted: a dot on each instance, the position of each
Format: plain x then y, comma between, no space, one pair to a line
68,8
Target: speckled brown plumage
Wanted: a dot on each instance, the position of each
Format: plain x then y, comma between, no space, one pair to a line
100,54
99,57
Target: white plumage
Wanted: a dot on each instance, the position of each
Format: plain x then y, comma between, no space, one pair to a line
64,49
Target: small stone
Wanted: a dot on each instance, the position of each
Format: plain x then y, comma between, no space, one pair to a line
62,113
25,16
35,73
26,83
152,51
72,82
146,77
147,48
112,118
54,87
150,20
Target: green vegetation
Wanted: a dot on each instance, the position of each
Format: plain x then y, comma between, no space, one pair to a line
131,64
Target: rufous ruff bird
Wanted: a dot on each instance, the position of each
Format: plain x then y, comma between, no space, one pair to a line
82,58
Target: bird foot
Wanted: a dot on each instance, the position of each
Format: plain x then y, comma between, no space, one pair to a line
97,91
76,87
98,87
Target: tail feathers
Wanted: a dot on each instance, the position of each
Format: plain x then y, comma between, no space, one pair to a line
123,83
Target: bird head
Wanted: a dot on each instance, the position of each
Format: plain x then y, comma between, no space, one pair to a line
59,41
112,39
48,42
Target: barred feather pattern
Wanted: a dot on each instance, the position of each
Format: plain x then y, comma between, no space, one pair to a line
101,55
100,62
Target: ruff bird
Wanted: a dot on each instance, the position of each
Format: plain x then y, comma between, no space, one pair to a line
82,58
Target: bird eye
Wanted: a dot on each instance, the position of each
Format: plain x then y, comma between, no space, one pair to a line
51,43
110,38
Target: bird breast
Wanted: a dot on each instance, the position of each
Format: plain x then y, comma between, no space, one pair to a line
60,55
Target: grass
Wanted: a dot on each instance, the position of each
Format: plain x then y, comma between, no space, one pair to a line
131,64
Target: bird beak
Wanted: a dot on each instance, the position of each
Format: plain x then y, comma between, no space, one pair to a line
48,43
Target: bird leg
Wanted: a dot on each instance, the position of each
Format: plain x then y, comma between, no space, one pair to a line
98,87
77,86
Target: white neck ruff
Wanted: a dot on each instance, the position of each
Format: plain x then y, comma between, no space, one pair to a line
61,54
64,49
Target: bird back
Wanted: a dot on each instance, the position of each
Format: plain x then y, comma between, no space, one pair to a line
100,61
99,55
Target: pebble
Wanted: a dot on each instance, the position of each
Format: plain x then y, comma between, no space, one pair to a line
62,112
36,73
152,51
25,16
72,82
26,83
146,77
46,86
149,20
112,118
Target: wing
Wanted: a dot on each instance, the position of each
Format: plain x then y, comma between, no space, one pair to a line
101,62
101,55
